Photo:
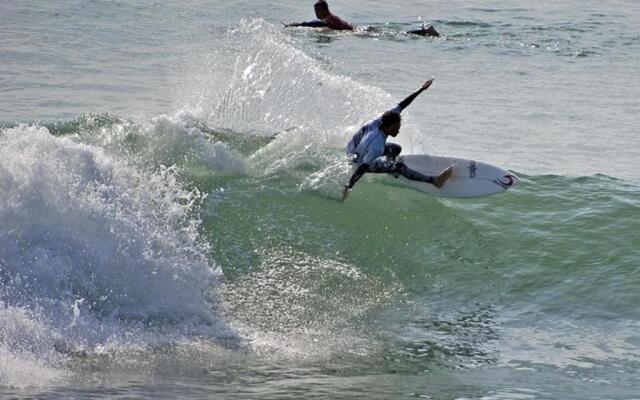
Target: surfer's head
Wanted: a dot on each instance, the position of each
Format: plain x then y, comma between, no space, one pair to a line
390,124
321,8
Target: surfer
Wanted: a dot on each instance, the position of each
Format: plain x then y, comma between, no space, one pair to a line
328,20
369,151
325,19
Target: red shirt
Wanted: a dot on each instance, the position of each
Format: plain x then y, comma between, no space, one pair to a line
334,22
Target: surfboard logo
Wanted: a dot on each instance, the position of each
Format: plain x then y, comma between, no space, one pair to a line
472,169
506,181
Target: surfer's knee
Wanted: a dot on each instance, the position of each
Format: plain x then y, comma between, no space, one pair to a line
399,168
392,150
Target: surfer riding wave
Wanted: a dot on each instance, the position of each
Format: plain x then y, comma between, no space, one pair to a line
369,151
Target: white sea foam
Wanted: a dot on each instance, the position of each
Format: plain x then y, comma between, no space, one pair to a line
284,309
163,140
92,248
27,357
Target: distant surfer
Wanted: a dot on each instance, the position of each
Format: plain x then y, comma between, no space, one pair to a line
369,151
325,19
328,20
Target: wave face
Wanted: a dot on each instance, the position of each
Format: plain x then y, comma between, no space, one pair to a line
106,252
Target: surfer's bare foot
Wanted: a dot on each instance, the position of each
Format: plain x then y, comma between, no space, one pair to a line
430,31
439,180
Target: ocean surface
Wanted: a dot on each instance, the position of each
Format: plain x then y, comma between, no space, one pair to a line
169,215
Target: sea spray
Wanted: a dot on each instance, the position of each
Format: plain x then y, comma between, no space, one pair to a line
93,247
271,85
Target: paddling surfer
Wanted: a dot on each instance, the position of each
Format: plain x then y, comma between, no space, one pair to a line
325,19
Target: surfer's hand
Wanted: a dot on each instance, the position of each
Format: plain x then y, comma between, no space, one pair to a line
426,84
345,193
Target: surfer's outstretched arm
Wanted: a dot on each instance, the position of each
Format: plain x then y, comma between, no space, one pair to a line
405,103
316,23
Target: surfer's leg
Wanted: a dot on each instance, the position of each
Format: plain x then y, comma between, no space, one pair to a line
384,165
411,174
436,181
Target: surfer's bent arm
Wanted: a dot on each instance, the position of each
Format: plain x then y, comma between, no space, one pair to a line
405,103
316,23
357,175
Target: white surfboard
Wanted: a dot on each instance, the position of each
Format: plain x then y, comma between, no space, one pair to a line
470,178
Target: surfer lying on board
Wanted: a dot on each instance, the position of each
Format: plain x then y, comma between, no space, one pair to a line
369,151
328,20
325,19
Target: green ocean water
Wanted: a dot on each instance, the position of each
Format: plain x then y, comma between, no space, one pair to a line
385,292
